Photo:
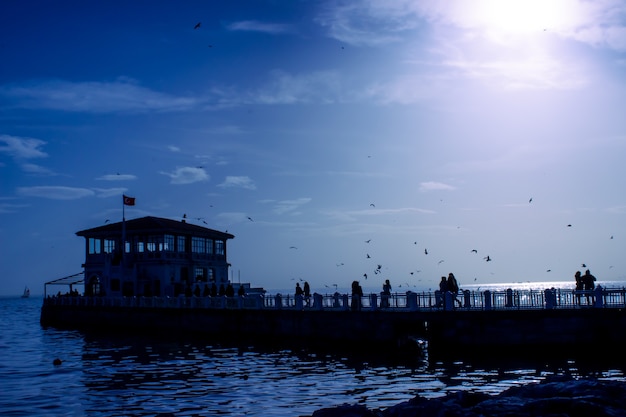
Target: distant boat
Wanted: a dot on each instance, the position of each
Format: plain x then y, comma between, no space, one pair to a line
26,293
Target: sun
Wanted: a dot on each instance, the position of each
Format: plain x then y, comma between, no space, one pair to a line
520,17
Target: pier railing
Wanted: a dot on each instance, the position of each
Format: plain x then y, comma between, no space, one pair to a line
410,301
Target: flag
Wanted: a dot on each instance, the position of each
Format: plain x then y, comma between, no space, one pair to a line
129,201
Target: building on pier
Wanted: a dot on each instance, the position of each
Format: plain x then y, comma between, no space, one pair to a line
152,256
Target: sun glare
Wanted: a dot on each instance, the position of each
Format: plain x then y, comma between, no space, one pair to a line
520,17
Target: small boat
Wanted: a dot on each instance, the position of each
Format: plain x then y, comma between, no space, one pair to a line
26,293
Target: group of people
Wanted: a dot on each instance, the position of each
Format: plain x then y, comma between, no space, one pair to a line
305,292
585,282
448,285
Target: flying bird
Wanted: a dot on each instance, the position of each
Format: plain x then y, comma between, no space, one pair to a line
474,250
440,262
569,225
425,251
292,247
368,256
197,26
583,265
487,258
250,218
531,200
372,205
368,240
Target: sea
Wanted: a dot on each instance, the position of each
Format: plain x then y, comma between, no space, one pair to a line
127,375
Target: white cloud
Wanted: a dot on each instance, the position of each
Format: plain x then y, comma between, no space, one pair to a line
22,148
255,26
55,192
122,95
435,186
173,148
290,206
238,182
36,169
110,192
117,177
187,175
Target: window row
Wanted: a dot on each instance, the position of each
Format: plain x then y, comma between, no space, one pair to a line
159,243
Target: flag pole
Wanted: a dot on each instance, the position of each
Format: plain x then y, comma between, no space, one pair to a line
123,231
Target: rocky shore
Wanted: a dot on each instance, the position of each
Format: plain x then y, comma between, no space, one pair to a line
552,398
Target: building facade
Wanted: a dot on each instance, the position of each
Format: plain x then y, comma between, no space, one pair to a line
153,256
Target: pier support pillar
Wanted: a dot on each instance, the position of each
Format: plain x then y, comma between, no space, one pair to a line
550,299
411,300
598,302
318,300
299,302
278,301
487,302
467,299
373,302
509,298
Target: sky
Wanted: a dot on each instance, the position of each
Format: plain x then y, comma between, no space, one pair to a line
337,140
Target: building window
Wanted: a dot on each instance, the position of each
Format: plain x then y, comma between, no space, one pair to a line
198,245
95,246
109,246
168,243
181,244
219,247
140,246
209,246
200,274
154,243
211,276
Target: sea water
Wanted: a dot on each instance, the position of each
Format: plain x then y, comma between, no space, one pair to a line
142,376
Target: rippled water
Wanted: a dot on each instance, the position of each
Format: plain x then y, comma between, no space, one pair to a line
132,376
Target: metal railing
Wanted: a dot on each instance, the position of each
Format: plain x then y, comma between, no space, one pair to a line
411,301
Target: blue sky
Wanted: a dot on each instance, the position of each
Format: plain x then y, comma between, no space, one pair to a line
411,125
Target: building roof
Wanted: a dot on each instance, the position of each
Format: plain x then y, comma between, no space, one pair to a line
150,224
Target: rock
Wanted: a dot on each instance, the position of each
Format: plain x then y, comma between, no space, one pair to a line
345,410
553,398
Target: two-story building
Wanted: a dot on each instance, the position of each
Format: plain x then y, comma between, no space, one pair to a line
153,256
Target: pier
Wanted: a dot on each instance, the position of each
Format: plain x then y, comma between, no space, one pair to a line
502,321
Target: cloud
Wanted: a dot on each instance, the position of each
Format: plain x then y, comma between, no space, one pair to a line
187,175
285,88
117,177
435,186
22,148
109,192
36,169
255,26
369,22
238,182
290,206
55,192
173,148
122,95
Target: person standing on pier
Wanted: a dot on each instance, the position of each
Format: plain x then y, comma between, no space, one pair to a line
357,293
298,289
307,293
443,288
386,294
589,281
579,286
453,287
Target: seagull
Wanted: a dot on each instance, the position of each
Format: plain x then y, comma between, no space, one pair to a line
368,256
106,221
425,251
440,262
487,258
569,225
197,26
365,275
250,218
292,247
583,265
474,250
372,205
369,240
531,200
